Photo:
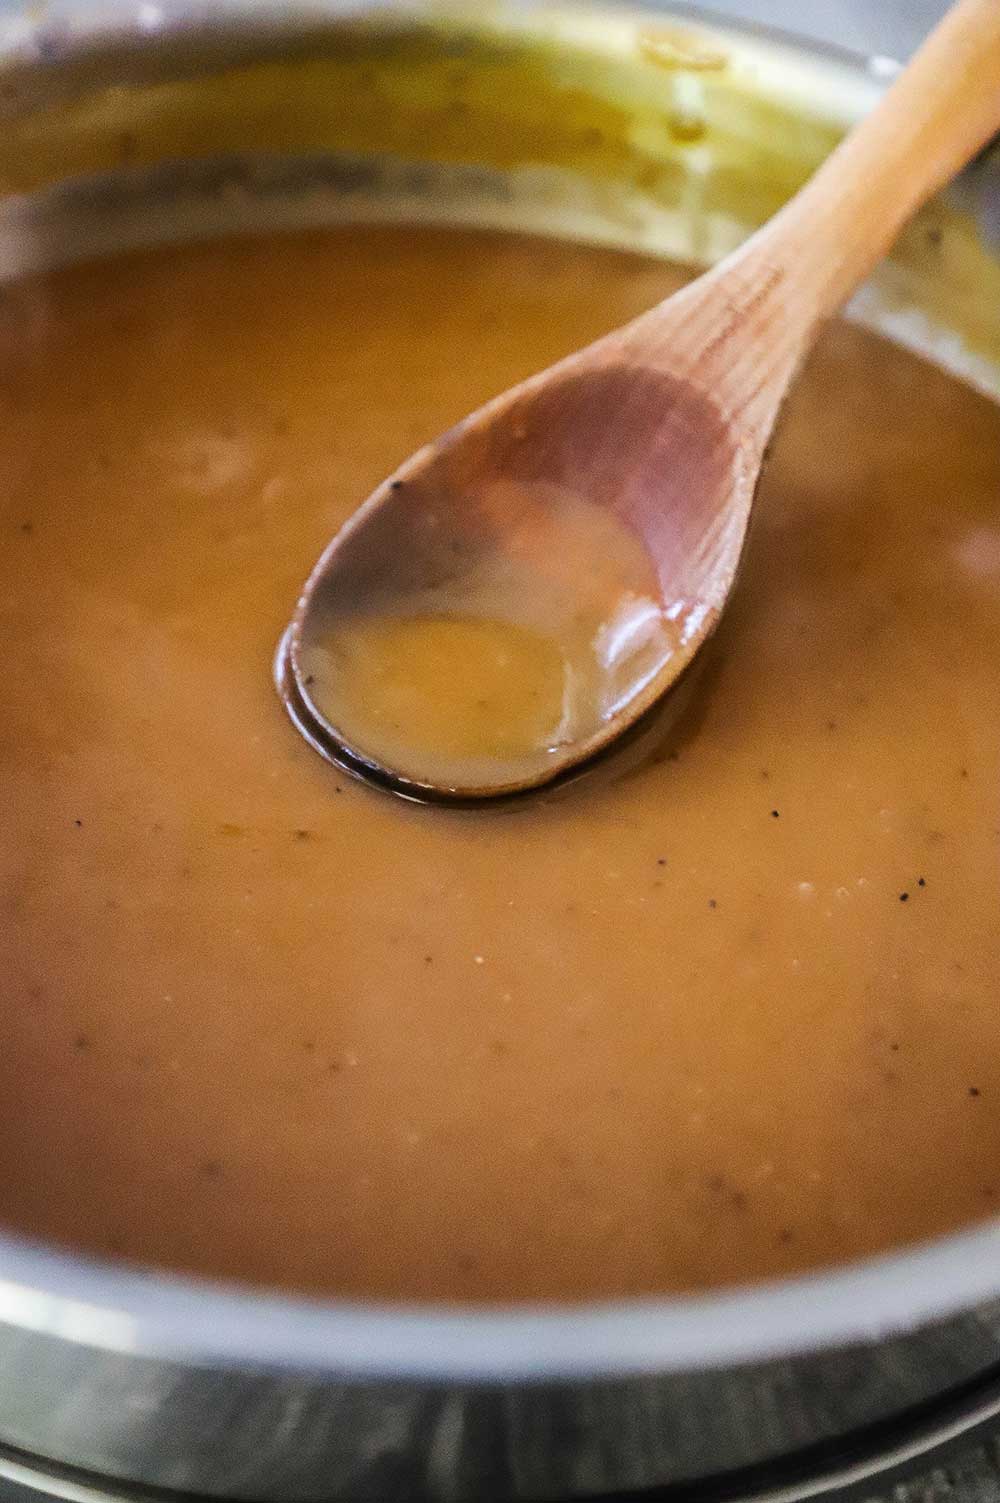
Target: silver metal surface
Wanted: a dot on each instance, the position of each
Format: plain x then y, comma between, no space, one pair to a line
892,1460
892,28
175,1384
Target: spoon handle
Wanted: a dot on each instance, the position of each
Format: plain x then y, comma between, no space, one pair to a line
937,115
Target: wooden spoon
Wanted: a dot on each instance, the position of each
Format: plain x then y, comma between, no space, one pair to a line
528,585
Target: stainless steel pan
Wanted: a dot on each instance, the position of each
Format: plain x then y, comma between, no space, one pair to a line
147,122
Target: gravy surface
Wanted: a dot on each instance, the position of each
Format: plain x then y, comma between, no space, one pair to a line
726,1010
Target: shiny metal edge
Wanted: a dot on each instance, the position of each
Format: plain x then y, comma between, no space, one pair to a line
887,1454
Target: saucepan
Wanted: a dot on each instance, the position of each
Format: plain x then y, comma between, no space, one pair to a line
152,121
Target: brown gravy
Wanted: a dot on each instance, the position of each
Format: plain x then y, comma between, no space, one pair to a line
725,1013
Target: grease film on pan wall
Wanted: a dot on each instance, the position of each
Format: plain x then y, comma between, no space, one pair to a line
499,777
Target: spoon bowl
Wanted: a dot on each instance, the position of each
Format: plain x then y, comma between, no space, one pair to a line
554,616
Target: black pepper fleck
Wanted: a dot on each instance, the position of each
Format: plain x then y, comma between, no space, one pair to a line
303,834
904,897
661,860
921,882
48,47
310,678
78,823
974,1090
712,903
775,814
395,485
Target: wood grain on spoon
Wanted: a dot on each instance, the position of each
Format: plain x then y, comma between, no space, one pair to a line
526,587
